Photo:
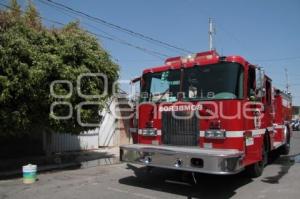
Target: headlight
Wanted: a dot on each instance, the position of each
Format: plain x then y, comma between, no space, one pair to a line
215,134
149,132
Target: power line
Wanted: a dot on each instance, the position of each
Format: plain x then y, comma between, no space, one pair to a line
277,59
67,14
153,53
231,35
117,27
145,50
112,37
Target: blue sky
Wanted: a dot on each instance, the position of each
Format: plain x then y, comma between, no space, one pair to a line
266,32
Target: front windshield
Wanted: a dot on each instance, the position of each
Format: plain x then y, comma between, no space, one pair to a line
161,86
217,81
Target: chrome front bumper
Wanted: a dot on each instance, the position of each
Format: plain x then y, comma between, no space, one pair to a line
195,159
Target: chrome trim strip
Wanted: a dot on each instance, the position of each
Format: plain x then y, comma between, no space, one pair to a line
158,131
258,132
238,134
279,126
133,130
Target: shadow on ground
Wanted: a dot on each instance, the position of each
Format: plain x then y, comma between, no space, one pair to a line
285,162
182,183
12,168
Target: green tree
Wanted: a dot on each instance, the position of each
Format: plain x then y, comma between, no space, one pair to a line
16,9
31,58
32,17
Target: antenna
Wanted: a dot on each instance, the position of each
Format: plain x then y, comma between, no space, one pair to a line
287,80
211,33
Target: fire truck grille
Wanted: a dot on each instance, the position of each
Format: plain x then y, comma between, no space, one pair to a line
177,131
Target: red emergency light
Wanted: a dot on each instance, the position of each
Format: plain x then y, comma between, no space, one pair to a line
176,61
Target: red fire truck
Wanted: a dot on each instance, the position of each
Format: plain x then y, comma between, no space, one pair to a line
210,114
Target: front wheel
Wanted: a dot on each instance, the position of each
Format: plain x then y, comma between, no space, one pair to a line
255,170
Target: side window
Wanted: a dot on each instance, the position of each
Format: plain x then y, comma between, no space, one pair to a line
251,81
268,92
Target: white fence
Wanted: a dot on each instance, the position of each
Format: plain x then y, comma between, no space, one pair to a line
105,135
61,142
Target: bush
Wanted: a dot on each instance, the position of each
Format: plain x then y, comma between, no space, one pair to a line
31,57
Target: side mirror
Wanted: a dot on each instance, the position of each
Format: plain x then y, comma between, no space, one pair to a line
137,79
260,82
133,95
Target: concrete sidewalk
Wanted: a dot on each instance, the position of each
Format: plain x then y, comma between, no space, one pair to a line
12,168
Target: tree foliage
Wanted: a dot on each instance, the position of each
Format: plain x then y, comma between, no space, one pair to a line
31,57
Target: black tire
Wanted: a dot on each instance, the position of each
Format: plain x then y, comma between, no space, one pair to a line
255,170
149,169
285,149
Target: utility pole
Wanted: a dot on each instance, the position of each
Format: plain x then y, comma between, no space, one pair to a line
287,80
211,33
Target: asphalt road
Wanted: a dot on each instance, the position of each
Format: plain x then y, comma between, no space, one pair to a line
281,179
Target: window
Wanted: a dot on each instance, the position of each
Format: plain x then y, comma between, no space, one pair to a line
217,81
251,82
161,86
268,92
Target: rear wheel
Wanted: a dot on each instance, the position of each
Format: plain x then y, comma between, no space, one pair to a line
285,149
255,170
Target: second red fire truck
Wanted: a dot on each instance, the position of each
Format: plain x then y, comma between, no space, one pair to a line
210,114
